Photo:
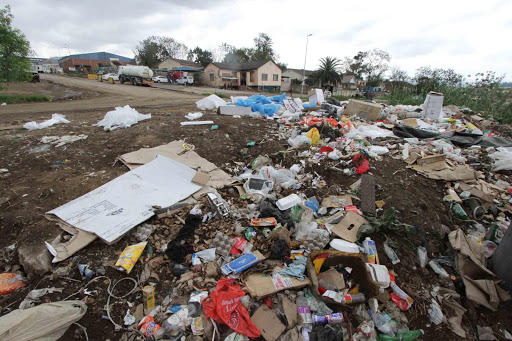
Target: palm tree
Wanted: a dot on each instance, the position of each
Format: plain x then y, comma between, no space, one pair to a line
328,73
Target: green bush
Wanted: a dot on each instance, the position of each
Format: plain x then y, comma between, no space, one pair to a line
13,99
483,94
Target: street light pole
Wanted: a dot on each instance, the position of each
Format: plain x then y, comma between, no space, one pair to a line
304,70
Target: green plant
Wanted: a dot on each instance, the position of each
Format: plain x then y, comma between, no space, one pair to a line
388,223
13,99
328,73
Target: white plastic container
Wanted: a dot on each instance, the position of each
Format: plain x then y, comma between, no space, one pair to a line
379,274
344,246
288,202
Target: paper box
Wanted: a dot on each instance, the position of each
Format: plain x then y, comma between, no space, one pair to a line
410,122
333,277
262,285
316,95
242,263
433,106
365,110
232,110
268,323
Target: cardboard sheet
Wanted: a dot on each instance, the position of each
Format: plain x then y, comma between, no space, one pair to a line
115,208
268,323
263,285
175,151
347,228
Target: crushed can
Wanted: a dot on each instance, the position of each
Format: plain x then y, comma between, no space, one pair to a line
85,270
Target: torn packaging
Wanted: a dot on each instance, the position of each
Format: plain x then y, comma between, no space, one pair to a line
481,284
116,207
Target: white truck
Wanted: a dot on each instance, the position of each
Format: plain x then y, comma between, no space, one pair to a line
135,74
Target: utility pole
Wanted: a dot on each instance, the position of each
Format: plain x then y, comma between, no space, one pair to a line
304,70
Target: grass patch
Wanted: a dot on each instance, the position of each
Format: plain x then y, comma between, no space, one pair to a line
13,99
221,95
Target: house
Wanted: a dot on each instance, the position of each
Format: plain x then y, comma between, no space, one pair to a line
349,82
293,74
87,62
173,63
262,75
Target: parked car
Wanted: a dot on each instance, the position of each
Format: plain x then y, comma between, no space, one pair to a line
160,79
108,75
185,80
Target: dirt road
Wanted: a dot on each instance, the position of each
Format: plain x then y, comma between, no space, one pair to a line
109,96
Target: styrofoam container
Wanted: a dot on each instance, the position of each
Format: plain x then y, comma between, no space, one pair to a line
379,274
343,245
288,202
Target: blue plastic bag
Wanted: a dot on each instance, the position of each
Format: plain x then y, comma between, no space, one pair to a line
313,204
260,99
278,98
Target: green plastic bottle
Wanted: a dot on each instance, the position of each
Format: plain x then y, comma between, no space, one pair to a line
407,336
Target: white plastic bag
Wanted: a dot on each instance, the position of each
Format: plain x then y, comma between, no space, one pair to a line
56,119
47,321
211,102
299,140
193,116
121,117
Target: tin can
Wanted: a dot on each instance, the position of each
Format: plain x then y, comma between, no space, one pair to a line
335,318
149,297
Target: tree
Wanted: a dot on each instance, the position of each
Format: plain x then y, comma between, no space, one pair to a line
153,50
398,75
283,66
14,50
150,52
328,73
370,64
430,79
172,48
263,48
200,56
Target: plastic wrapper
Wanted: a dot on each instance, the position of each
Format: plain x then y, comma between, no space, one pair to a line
129,257
121,117
56,119
422,256
9,282
193,115
211,102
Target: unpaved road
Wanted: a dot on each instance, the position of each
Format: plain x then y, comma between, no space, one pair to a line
111,95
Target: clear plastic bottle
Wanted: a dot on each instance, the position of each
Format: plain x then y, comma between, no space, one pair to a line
391,254
422,256
382,323
303,309
438,269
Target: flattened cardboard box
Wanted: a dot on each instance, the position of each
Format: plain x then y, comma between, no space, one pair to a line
262,285
268,323
347,228
365,110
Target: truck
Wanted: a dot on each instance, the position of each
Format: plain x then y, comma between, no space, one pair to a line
185,80
135,74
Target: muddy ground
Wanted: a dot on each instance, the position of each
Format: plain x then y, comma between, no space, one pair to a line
41,178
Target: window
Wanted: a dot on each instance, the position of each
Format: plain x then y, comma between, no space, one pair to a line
212,77
276,77
264,77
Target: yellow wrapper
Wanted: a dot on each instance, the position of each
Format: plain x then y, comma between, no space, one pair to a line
130,256
314,135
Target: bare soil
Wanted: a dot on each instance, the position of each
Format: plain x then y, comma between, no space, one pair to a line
40,180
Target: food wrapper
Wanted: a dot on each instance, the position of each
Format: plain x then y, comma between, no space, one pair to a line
148,326
319,261
197,326
130,256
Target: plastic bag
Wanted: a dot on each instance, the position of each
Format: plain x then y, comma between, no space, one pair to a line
314,135
130,256
48,321
211,102
362,164
299,140
193,116
224,306
121,117
56,119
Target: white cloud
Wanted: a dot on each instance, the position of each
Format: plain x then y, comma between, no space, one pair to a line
467,36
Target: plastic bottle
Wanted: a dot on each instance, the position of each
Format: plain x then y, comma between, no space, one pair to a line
459,212
391,254
406,336
371,250
422,256
491,232
382,323
438,269
303,309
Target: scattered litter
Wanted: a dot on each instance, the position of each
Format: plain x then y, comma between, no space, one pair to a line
62,140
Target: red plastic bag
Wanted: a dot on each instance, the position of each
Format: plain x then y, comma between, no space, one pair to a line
361,163
223,305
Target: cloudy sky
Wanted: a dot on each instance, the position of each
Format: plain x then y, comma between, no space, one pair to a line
468,36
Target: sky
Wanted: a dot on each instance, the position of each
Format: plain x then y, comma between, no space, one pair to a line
467,36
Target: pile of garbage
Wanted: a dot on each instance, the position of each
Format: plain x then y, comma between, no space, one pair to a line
251,251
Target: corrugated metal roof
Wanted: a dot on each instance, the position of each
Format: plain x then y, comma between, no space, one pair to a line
97,56
241,66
